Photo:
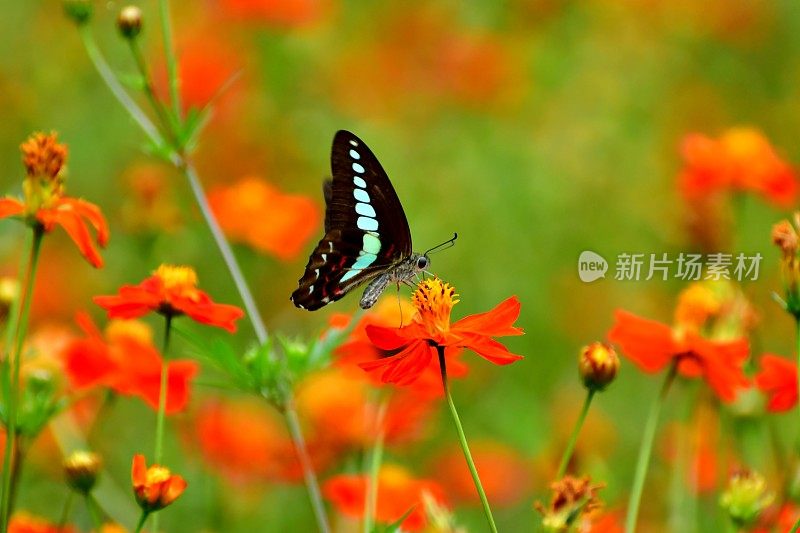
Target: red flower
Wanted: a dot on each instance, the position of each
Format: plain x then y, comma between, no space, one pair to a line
285,13
430,328
741,159
398,493
170,291
154,487
652,346
45,205
778,380
126,361
359,349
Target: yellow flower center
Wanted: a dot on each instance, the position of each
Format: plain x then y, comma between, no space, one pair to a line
179,280
696,304
157,474
43,158
129,329
434,300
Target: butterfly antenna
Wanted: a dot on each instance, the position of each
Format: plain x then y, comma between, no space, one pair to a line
443,246
400,305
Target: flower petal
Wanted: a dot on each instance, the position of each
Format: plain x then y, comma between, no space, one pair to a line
92,213
76,228
496,322
131,302
220,315
722,364
647,343
386,338
491,350
10,207
778,380
405,367
138,471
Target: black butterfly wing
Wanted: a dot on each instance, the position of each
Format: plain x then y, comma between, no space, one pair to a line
366,231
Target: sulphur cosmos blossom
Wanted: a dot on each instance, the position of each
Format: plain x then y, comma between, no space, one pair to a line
416,344
45,206
155,487
171,291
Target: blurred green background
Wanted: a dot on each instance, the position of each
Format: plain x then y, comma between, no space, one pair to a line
535,129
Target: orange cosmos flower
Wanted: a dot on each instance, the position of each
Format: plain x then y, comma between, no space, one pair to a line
742,159
154,487
247,442
778,380
170,291
125,360
652,346
285,13
256,213
505,474
430,328
359,349
398,492
28,523
45,205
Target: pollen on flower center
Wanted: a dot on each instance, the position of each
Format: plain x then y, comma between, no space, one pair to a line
43,158
434,300
157,474
178,279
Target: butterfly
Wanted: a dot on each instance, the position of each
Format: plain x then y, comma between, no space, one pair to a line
367,238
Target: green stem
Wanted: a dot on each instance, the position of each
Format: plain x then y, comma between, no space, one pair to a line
65,512
162,404
142,520
94,512
150,93
462,439
116,87
562,467
646,448
172,64
376,457
796,526
9,460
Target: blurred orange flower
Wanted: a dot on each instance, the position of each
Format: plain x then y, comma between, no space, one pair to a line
742,159
505,474
246,441
45,205
652,346
154,487
27,523
148,205
284,13
255,212
342,412
398,492
171,291
416,344
778,380
358,349
126,361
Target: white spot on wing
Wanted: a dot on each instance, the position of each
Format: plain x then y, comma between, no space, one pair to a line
354,154
359,182
354,143
360,195
365,209
324,257
325,300
367,224
310,289
330,246
316,273
358,168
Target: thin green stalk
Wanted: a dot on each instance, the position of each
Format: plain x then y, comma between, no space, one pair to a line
683,501
13,395
149,91
462,439
644,451
796,526
94,512
162,403
116,87
376,457
797,341
562,467
142,520
172,63
67,509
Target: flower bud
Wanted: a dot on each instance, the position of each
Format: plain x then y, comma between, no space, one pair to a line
80,11
81,469
129,22
746,497
571,499
598,364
